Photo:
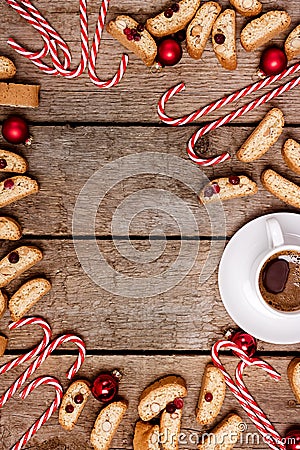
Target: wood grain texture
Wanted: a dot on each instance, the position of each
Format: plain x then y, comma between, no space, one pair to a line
135,99
63,159
139,371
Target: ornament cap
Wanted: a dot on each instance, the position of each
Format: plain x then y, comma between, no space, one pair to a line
29,141
117,374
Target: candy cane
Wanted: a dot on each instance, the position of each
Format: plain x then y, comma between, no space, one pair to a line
95,49
189,118
258,411
229,118
47,414
41,358
235,389
84,47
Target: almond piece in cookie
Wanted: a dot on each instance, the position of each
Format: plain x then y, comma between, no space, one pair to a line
7,68
107,424
27,296
73,403
170,425
282,188
200,28
225,435
143,45
15,188
11,162
247,8
10,229
146,436
155,397
173,19
224,39
263,137
292,44
212,395
261,30
227,188
291,155
294,377
17,262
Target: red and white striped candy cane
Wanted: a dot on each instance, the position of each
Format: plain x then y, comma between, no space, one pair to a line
258,411
84,47
189,118
229,118
95,49
32,353
41,358
235,389
50,381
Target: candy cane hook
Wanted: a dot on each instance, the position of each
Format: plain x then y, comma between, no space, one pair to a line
50,381
95,50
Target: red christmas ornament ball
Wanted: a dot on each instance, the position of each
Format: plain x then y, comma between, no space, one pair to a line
15,130
169,52
292,440
105,387
273,61
245,342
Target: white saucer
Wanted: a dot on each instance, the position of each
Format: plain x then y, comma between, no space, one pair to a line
240,300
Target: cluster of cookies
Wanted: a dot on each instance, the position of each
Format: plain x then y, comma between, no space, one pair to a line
258,143
22,258
201,22
12,94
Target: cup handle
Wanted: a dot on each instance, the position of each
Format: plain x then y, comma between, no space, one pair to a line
274,233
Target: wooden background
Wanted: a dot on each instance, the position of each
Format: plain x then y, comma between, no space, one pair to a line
77,130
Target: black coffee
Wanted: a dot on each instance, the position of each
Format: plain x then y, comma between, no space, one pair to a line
279,281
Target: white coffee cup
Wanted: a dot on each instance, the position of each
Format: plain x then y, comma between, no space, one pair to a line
276,245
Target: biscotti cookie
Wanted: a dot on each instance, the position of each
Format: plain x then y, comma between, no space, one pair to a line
226,188
291,155
212,395
282,188
73,403
27,296
7,68
10,229
170,425
261,30
247,8
146,436
156,396
224,39
3,345
21,95
225,435
263,137
294,377
15,188
134,37
200,28
173,19
3,303
11,162
292,44
17,262
107,424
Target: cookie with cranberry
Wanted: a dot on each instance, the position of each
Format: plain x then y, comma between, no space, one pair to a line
227,188
11,162
200,28
247,8
17,262
170,425
224,39
73,403
134,37
173,19
212,395
16,188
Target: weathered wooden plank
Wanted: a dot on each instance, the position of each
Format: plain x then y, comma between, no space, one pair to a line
150,191
113,313
135,99
139,371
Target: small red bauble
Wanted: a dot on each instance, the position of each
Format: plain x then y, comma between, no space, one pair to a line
105,387
245,342
273,61
15,130
292,440
169,52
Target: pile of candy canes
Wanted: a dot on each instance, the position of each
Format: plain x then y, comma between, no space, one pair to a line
42,351
53,40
